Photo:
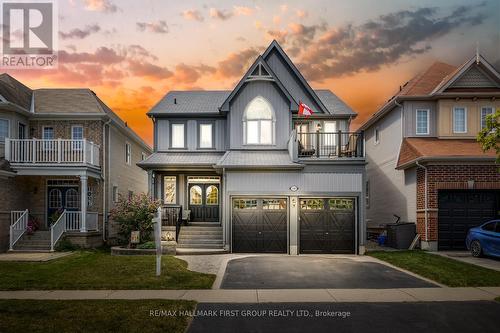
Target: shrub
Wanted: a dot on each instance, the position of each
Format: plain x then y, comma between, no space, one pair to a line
147,245
135,214
65,245
33,225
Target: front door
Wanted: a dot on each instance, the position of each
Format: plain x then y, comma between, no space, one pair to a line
204,202
60,198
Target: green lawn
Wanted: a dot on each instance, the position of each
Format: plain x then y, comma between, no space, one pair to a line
446,271
92,316
99,270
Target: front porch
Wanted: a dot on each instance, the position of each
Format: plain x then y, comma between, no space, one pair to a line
53,209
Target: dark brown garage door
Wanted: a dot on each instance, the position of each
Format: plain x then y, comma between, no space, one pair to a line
327,225
461,210
259,225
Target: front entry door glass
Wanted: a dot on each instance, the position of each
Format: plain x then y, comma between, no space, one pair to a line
204,202
60,198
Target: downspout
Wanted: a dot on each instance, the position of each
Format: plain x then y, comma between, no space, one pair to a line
425,198
104,208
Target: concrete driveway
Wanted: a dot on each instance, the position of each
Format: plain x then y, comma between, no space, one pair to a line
465,256
316,272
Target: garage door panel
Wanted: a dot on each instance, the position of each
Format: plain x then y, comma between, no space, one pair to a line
259,225
327,225
461,210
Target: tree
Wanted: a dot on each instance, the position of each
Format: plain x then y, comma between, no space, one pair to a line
489,136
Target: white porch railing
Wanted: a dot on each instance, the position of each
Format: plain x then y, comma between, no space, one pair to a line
59,151
18,228
72,221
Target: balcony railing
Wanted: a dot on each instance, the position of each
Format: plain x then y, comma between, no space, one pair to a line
59,151
330,145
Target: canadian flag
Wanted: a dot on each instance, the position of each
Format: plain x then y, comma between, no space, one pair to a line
304,110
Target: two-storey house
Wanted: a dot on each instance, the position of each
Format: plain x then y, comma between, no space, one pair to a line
424,163
65,157
252,173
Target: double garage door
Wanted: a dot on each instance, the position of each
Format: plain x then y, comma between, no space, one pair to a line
326,225
461,210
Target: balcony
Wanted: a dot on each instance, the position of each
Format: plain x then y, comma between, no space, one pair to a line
59,152
321,145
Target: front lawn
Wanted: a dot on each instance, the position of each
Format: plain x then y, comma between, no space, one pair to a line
446,271
99,270
93,316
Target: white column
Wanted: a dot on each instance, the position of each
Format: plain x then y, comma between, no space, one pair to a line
150,184
83,200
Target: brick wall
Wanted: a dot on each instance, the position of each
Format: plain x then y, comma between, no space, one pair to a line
441,177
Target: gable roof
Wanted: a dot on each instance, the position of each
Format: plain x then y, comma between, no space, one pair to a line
476,62
200,102
276,46
433,83
15,92
434,149
294,106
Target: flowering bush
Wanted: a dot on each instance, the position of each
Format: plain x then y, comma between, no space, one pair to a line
33,225
135,214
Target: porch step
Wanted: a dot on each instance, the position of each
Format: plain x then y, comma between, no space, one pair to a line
38,241
204,224
193,251
200,237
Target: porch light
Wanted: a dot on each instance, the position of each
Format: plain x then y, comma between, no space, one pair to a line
318,127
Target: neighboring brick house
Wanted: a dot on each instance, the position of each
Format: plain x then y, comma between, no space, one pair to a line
424,163
56,147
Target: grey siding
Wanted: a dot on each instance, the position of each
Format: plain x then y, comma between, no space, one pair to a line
391,191
163,133
269,91
410,117
289,80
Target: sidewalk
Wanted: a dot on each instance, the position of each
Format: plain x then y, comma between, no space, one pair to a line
270,295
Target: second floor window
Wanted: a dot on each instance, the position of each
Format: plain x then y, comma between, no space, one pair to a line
48,133
177,136
22,131
206,133
4,129
422,122
485,111
77,135
459,120
127,153
259,123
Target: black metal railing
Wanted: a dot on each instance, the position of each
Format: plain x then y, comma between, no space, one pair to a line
172,216
336,144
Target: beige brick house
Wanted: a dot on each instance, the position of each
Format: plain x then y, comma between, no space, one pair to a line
58,146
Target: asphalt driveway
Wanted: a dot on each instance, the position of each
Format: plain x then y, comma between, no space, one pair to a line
315,272
348,317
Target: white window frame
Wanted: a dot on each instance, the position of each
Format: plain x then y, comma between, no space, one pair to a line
25,129
481,115
376,135
427,111
259,125
53,132
76,145
8,129
211,124
128,153
115,193
465,119
172,125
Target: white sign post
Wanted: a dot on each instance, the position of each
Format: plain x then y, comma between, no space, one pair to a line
157,231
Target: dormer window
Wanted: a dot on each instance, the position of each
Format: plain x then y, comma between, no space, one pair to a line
259,122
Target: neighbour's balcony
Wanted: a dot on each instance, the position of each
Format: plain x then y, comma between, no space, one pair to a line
26,152
321,145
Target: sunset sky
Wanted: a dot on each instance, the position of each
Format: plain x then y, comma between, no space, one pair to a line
131,53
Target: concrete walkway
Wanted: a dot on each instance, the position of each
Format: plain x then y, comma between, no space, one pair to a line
465,256
33,256
271,295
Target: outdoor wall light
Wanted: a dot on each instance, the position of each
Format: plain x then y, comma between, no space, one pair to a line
318,126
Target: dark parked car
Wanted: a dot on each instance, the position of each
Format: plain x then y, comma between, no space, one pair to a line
485,239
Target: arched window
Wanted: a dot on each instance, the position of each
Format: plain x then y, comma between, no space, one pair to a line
72,198
259,122
195,195
55,198
212,195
